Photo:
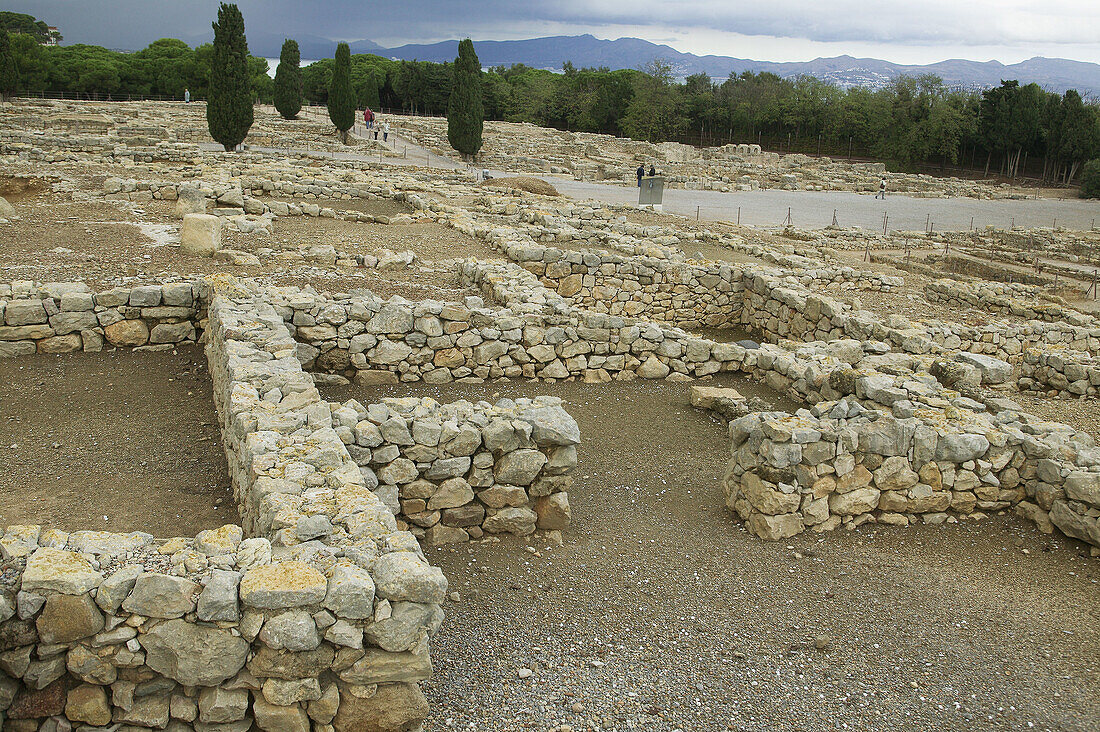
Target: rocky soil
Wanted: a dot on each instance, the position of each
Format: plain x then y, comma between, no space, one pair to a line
133,434
661,613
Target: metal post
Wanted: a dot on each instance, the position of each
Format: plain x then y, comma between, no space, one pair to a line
1013,224
738,215
696,213
972,223
927,218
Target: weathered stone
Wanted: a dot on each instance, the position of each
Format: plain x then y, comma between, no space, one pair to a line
294,630
276,718
405,576
519,467
282,585
115,588
38,703
218,599
127,333
553,512
88,703
194,655
392,708
452,493
519,521
286,692
268,662
323,709
223,540
161,596
67,618
775,527
860,500
146,711
350,591
92,666
56,570
382,667
218,706
407,624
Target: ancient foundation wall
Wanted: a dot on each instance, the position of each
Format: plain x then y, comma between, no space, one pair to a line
452,472
1069,374
842,464
66,317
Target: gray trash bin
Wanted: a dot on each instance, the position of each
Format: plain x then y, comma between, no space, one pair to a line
651,193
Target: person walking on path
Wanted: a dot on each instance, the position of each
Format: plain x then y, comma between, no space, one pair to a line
368,117
641,174
187,96
385,131
882,189
652,171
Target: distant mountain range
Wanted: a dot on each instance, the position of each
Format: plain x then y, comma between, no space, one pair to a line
1053,74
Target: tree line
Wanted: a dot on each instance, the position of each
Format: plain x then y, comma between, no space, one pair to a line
916,121
165,68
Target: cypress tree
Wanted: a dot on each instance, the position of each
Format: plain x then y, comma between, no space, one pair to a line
341,100
229,103
465,112
9,75
288,81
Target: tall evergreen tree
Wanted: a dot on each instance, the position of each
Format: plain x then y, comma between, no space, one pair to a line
465,110
341,100
9,74
288,81
229,103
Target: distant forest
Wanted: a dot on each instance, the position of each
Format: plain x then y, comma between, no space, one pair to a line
1010,130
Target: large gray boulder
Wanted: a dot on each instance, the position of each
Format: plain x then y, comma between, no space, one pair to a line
194,655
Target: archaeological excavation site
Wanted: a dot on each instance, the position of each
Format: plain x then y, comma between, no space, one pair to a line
315,437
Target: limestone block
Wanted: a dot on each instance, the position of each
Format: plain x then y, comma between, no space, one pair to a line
194,655
283,585
391,707
200,235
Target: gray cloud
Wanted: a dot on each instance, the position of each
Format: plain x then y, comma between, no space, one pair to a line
944,23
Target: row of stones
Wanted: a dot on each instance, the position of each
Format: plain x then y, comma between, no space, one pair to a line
452,472
840,463
294,479
97,633
65,317
388,341
1070,374
1011,299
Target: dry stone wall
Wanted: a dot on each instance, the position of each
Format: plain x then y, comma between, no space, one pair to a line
841,463
1064,373
65,317
453,472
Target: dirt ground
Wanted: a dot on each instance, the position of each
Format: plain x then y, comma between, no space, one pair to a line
113,441
107,243
661,612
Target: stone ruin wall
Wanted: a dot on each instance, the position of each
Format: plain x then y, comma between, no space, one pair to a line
318,620
841,464
67,317
1063,373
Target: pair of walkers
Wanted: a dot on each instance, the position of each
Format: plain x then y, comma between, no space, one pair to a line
641,173
369,120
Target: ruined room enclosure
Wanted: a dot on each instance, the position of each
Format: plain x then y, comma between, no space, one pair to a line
115,441
547,629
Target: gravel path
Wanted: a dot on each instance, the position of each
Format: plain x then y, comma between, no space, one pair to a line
662,613
814,209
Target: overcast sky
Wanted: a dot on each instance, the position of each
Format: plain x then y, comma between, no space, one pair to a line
903,31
